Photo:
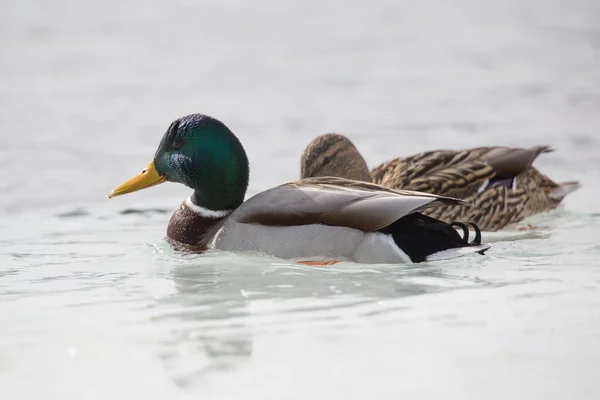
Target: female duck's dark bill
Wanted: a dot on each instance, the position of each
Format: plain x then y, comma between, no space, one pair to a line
147,178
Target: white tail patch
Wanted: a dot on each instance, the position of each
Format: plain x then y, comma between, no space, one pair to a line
564,189
205,212
379,248
458,252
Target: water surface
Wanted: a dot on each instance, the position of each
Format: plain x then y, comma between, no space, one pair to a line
93,302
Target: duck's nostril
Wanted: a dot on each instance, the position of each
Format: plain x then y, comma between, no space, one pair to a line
144,171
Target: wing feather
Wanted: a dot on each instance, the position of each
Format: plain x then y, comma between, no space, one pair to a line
335,201
455,173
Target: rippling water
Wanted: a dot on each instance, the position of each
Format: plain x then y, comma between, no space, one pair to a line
93,302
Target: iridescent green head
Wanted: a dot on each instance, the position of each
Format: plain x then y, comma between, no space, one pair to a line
203,154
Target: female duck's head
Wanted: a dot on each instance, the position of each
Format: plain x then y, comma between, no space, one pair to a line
203,154
333,155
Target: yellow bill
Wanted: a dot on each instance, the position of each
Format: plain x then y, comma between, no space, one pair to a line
147,178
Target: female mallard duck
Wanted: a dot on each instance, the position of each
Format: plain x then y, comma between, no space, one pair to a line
499,182
330,219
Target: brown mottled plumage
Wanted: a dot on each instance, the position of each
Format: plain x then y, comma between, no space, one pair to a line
499,182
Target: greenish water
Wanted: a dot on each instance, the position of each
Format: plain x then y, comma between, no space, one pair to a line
93,302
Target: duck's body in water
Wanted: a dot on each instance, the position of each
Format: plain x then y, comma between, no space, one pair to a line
323,219
500,182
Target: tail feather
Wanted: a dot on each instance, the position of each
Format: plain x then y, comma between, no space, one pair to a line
424,238
510,162
458,252
543,149
564,188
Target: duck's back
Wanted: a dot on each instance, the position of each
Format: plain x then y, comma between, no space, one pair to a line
338,218
499,182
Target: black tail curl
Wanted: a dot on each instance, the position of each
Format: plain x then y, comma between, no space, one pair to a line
465,230
420,236
465,237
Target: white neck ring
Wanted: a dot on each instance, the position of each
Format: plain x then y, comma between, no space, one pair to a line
205,212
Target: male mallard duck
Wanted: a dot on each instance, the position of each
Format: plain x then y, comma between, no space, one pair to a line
325,218
499,182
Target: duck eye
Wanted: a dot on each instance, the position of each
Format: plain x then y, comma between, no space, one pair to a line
176,144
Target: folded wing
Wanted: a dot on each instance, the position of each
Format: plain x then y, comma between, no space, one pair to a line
456,173
335,201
